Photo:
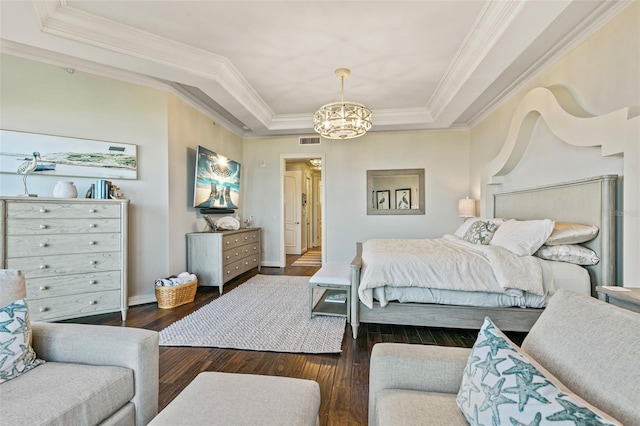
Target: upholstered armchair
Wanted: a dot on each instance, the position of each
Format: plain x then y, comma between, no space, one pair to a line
91,374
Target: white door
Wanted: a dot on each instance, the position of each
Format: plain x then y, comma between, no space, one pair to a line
293,212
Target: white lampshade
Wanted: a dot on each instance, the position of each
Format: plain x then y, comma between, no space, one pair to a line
467,207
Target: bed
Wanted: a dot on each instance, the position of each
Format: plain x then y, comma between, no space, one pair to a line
588,201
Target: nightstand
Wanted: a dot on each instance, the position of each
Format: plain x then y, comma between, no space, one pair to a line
624,297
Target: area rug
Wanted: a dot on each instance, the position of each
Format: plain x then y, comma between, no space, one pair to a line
267,313
310,258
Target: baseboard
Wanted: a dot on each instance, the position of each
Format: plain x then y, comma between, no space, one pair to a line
270,264
142,299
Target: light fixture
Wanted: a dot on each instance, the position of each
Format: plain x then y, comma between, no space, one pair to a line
316,163
342,120
466,207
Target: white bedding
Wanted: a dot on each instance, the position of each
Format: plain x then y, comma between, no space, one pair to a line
450,265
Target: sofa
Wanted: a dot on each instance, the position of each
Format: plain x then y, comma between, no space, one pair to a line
580,358
91,374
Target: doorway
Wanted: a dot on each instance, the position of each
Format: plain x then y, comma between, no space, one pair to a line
302,206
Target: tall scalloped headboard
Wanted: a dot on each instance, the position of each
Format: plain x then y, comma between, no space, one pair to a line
589,201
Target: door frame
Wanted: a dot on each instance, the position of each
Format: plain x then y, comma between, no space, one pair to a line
283,168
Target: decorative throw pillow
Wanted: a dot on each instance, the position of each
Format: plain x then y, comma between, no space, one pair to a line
16,354
480,232
462,229
570,253
523,237
571,233
502,386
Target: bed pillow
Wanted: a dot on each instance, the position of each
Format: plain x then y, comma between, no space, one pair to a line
480,232
570,253
522,237
571,233
502,386
462,229
16,354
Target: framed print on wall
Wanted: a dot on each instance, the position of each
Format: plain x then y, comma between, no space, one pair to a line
403,199
383,199
67,156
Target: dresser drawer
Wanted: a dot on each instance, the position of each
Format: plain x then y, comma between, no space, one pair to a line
76,305
45,266
61,226
238,267
238,253
46,245
235,240
36,210
42,288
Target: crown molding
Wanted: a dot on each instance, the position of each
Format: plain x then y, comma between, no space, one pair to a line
58,18
488,28
65,62
591,24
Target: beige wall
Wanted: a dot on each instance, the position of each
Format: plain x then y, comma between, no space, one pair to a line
603,75
443,155
42,98
189,128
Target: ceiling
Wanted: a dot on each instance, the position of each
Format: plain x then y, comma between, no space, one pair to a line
263,67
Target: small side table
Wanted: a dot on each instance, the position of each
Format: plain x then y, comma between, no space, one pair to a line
624,297
335,279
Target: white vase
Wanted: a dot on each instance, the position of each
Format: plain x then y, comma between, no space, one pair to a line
65,190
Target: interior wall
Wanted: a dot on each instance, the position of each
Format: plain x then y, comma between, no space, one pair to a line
443,155
42,98
601,73
188,128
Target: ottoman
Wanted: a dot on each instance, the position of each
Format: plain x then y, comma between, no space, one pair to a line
214,398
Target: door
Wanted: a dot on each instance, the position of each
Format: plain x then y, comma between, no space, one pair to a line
293,212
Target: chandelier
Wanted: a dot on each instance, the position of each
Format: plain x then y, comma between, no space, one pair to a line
342,120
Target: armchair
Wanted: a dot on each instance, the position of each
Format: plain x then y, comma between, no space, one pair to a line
92,375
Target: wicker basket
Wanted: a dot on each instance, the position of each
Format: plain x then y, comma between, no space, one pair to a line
172,296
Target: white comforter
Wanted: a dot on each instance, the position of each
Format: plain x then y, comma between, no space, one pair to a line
447,263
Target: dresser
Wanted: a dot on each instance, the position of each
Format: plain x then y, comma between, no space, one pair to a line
73,253
217,257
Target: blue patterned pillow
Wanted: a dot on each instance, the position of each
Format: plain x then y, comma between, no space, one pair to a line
480,232
16,354
501,386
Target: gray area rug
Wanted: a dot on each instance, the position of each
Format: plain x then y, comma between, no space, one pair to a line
267,313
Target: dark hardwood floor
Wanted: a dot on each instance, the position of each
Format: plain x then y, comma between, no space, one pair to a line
343,378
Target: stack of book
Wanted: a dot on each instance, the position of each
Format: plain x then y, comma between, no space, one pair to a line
336,297
101,189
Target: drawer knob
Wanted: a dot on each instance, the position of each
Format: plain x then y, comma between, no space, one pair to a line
228,272
92,243
93,282
237,267
43,210
43,266
246,238
43,288
246,263
237,254
92,210
228,242
92,225
43,226
236,240
93,302
228,257
44,309
92,262
44,245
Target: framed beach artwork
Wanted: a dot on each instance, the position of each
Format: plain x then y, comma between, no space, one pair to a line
383,199
65,156
403,199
